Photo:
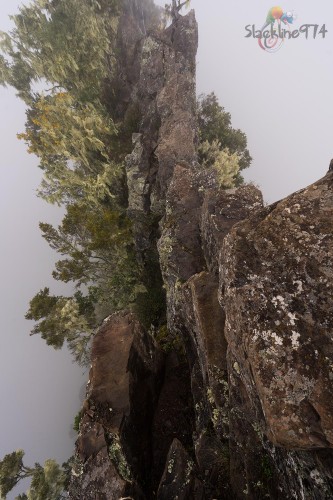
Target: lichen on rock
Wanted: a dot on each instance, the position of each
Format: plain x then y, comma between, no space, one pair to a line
227,391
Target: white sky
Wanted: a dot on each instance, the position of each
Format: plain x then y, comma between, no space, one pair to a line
282,102
40,388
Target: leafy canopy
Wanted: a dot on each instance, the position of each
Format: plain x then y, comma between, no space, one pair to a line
220,143
62,318
61,58
65,46
225,164
63,42
46,482
72,140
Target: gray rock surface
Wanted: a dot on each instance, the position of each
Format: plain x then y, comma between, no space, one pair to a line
240,405
276,275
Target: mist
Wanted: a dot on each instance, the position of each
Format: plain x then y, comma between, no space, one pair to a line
281,101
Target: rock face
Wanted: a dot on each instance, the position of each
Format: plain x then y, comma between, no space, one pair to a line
102,468
276,290
178,480
239,403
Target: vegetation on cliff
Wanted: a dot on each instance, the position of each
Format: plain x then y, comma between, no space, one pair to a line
63,60
48,481
60,58
221,146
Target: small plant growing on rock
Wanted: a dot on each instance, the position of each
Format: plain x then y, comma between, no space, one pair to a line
77,421
166,341
117,456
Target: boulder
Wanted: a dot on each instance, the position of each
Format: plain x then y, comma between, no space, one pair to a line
277,289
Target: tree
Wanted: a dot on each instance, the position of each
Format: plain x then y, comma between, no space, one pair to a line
46,482
67,43
72,141
99,252
93,237
77,421
61,319
216,131
81,135
68,47
172,10
12,471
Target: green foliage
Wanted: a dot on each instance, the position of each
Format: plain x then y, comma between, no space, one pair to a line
72,140
215,130
11,471
68,48
168,341
97,243
61,319
46,482
65,46
65,42
93,238
226,164
77,421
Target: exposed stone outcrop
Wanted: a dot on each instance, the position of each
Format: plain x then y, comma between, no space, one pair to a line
240,404
179,480
197,219
276,290
276,275
111,348
117,417
220,211
165,94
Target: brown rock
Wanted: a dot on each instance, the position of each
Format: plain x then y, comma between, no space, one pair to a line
176,103
206,348
222,209
180,245
109,379
165,94
277,290
91,439
116,429
205,320
98,480
178,479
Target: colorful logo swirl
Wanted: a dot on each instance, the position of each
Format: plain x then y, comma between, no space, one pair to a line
277,21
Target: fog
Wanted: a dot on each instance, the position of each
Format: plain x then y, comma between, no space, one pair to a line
41,389
281,101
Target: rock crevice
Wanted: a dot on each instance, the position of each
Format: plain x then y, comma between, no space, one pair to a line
238,403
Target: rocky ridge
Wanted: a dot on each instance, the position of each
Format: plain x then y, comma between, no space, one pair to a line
237,401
